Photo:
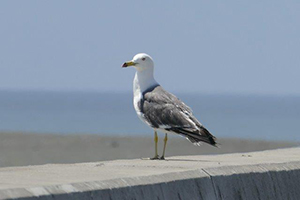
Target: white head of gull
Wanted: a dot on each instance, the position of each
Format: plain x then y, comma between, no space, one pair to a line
144,66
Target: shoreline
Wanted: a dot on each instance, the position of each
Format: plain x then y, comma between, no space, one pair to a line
22,149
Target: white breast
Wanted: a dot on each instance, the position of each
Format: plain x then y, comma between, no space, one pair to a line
137,97
141,82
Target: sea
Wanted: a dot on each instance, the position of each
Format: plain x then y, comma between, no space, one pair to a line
262,117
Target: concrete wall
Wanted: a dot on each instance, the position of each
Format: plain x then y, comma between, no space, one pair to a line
265,176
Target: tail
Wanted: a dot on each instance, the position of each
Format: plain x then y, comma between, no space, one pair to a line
203,135
198,136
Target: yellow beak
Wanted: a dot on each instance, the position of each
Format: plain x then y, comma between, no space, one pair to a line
128,64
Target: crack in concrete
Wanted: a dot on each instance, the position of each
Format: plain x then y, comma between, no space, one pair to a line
212,181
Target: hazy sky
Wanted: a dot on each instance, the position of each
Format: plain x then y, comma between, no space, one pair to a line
197,46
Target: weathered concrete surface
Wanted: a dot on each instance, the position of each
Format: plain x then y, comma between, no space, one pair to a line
262,181
273,174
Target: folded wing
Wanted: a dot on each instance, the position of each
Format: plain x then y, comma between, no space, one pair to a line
164,110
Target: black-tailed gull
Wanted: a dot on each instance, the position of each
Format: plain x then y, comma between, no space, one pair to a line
162,110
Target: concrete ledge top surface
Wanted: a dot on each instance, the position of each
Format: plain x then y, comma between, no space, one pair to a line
61,174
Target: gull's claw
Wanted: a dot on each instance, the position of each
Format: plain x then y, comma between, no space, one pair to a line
155,158
162,158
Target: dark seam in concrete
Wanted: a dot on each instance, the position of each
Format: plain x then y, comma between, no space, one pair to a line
178,196
212,181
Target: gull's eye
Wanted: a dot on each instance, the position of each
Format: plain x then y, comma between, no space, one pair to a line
143,59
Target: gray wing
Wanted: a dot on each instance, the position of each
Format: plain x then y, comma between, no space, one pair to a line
164,110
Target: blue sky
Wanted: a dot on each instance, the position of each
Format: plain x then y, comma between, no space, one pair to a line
237,47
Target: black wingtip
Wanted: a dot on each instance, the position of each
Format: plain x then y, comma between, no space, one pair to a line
213,142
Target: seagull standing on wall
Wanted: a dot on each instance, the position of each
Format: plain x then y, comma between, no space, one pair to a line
162,110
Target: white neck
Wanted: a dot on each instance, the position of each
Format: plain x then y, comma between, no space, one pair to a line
143,80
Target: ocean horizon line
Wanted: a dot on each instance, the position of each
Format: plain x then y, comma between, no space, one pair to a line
204,93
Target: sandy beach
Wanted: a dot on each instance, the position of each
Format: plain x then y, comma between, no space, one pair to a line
21,149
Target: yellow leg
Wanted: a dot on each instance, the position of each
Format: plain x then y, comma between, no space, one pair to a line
165,144
156,141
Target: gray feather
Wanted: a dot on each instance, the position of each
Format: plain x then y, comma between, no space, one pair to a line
162,109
